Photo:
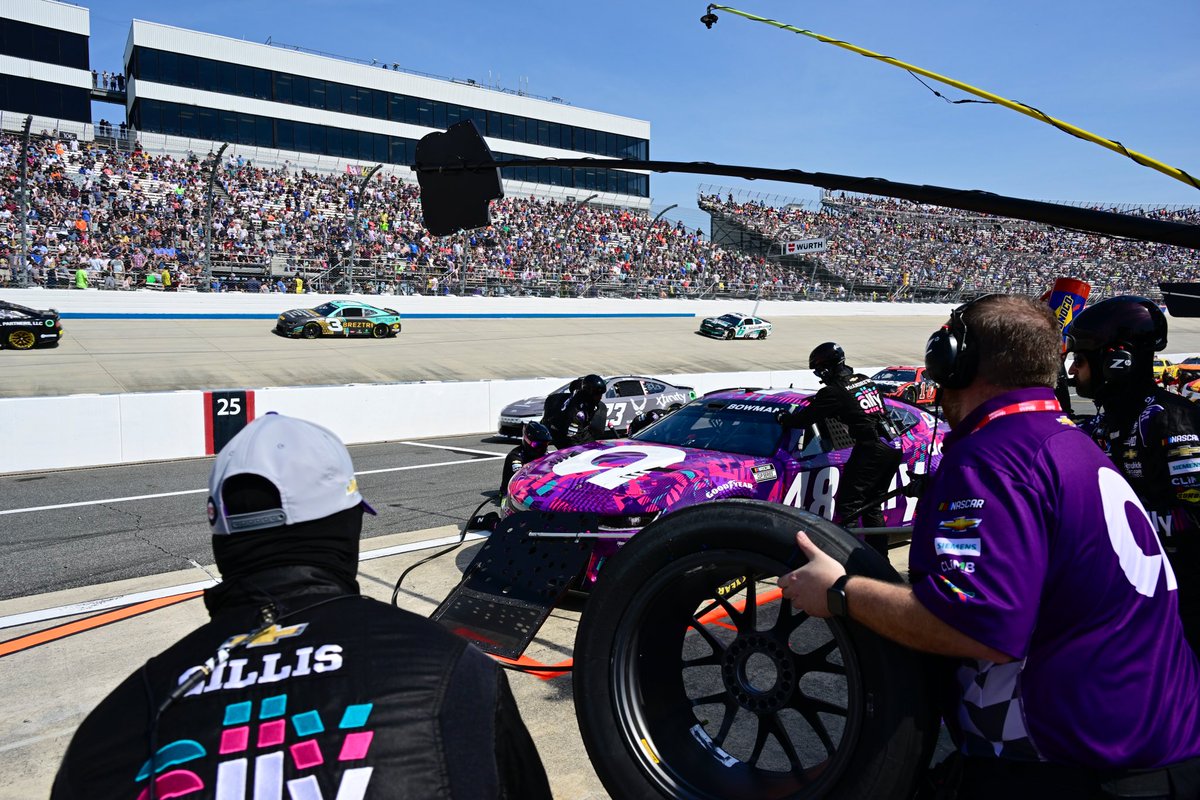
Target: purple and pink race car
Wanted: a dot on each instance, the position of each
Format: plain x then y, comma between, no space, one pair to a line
723,445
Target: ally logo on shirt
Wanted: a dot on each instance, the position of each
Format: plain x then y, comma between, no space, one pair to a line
957,547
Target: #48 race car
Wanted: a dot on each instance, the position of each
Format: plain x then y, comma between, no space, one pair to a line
339,318
724,445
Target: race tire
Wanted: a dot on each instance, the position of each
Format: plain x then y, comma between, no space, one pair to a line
761,335
669,706
910,395
311,331
728,334
381,331
21,340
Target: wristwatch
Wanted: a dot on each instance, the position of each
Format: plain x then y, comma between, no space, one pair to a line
835,598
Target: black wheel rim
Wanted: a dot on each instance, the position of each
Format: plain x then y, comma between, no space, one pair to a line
696,703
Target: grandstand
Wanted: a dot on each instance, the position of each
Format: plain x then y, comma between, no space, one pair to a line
900,249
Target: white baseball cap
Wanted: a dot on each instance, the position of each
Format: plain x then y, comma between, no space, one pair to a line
307,464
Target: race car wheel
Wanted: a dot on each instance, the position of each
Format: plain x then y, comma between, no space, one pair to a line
910,395
380,331
311,331
728,334
694,680
21,340
761,335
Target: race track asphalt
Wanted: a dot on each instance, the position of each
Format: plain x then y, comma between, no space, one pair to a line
108,356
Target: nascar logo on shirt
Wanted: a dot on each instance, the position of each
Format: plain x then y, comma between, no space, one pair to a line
957,547
970,503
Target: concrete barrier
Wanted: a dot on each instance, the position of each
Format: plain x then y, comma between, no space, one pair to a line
147,304
46,433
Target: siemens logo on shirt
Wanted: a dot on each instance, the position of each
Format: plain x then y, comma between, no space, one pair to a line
1177,467
957,547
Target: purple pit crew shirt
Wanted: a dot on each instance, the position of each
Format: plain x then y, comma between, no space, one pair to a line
1031,543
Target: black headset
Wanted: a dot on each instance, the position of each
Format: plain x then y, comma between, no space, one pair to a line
950,357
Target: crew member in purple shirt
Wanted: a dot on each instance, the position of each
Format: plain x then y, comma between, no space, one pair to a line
1034,565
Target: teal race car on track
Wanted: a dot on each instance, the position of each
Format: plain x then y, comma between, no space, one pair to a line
339,318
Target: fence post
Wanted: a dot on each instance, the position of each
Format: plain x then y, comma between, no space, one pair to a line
24,254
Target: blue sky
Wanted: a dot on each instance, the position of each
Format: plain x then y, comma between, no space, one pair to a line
749,94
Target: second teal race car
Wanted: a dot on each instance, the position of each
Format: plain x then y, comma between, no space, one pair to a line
339,318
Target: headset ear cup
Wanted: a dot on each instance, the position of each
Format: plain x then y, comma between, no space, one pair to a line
941,356
1116,364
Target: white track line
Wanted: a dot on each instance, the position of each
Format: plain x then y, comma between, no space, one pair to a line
494,457
132,498
455,449
120,601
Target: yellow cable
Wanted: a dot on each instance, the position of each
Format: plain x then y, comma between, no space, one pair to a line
1028,111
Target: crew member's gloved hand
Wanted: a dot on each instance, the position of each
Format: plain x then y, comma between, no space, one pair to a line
916,486
787,419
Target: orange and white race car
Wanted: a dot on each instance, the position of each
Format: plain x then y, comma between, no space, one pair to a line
905,383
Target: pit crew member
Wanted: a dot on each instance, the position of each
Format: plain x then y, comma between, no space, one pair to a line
1151,434
1034,565
856,402
572,418
299,681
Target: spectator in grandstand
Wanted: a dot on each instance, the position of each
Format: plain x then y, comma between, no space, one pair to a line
110,282
1049,702
286,518
81,278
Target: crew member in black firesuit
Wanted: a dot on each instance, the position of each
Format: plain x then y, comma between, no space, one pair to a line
535,443
299,685
577,417
855,401
1151,434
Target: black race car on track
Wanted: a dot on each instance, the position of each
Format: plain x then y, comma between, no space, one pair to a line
24,328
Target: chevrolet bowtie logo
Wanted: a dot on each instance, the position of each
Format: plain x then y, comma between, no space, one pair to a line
270,636
1129,455
1185,450
960,524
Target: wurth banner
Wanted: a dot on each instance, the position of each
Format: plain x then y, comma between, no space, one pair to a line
802,246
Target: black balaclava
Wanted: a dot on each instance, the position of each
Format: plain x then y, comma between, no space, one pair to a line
330,543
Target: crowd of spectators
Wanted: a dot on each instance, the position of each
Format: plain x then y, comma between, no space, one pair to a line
120,217
896,245
136,214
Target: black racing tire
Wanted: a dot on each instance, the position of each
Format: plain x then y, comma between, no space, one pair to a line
380,331
21,340
910,395
728,334
311,331
761,335
671,707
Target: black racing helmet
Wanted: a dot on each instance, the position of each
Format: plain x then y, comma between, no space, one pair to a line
536,436
828,360
592,386
1119,337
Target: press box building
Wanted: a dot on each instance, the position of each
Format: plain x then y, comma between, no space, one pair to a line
44,61
202,86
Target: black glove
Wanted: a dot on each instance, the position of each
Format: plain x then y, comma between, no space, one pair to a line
784,418
915,486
